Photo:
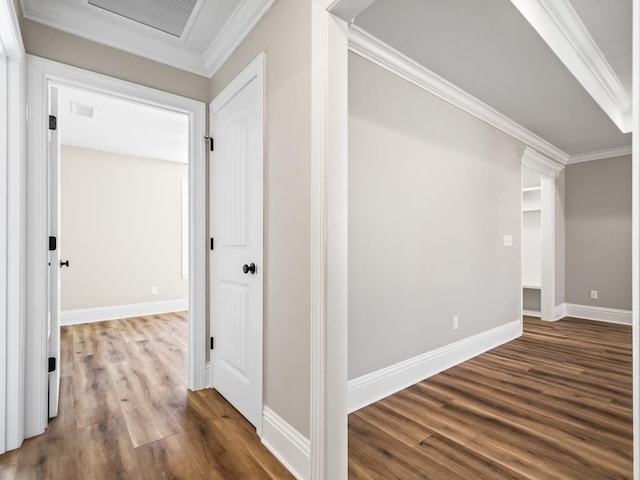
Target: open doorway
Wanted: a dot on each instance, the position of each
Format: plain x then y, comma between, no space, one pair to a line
46,78
120,208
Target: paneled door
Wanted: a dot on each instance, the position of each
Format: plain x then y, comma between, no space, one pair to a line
236,266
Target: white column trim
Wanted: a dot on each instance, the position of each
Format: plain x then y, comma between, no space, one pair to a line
329,179
541,164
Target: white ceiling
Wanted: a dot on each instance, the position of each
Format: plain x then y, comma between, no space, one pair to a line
123,127
490,50
213,30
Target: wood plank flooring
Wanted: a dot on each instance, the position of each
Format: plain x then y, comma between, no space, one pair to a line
553,404
125,413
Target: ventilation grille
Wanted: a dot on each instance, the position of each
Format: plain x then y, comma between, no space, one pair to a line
82,110
169,16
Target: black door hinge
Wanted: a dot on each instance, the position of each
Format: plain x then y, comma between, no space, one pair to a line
53,244
211,143
52,364
53,122
211,243
211,343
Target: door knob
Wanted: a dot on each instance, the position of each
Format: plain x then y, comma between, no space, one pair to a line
64,263
251,268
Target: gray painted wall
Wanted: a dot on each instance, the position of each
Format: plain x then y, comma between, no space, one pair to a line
121,229
598,232
284,33
432,191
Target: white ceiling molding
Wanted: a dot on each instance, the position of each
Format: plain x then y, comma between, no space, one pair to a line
541,164
115,31
376,51
600,154
348,10
561,28
237,27
11,45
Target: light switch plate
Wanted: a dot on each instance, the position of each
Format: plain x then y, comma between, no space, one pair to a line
508,240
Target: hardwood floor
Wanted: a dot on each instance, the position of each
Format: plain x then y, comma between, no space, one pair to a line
125,413
553,404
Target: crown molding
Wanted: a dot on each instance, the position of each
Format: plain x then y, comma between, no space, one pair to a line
600,154
537,162
561,28
348,10
11,45
146,42
237,27
114,32
378,52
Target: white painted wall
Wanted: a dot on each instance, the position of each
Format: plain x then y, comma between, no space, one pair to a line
121,229
432,191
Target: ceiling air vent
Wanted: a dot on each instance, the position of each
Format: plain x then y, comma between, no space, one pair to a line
82,110
169,16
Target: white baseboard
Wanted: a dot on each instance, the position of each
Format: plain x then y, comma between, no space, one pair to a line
600,314
560,311
287,444
377,385
89,315
531,313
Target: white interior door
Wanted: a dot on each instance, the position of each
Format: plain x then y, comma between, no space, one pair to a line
236,186
54,258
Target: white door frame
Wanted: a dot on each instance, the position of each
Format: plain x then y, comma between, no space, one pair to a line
329,237
12,259
548,171
40,74
255,70
635,248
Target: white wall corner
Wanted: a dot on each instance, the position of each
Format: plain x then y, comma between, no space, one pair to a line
287,444
377,385
557,22
541,164
237,27
600,314
89,315
378,52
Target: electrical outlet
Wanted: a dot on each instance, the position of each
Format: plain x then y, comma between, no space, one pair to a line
594,294
154,290
455,323
507,240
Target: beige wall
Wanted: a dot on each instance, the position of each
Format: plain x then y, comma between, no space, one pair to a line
432,191
598,232
284,33
120,229
66,48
